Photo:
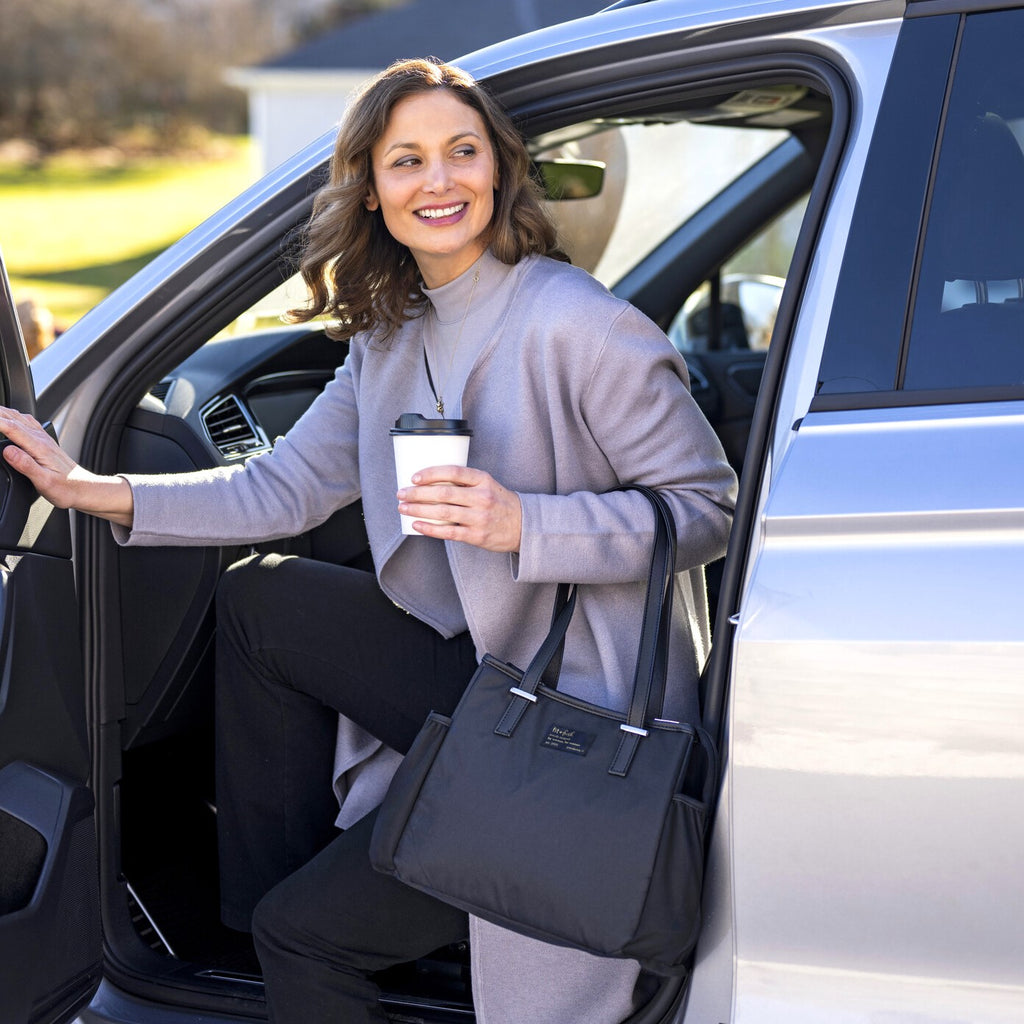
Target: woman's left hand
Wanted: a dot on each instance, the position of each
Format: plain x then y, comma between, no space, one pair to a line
473,506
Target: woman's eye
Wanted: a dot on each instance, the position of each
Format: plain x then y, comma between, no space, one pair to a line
406,161
466,151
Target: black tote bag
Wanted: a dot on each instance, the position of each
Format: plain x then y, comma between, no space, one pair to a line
555,817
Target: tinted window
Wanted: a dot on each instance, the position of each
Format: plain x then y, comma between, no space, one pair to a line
968,322
870,310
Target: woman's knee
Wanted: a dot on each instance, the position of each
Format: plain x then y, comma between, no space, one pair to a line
251,593
246,581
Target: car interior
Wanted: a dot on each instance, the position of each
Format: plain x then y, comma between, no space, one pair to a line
700,203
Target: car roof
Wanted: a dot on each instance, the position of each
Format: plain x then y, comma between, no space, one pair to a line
649,18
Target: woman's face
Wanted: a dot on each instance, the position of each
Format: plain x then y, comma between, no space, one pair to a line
433,179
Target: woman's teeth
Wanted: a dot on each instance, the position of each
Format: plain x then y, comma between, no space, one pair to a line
444,211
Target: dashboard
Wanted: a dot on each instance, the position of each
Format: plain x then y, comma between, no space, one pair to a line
235,395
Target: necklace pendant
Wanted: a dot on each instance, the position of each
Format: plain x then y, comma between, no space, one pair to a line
429,326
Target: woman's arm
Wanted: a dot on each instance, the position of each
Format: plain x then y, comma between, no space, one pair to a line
646,429
310,472
57,477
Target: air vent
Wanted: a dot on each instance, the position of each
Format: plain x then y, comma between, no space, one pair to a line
160,390
229,427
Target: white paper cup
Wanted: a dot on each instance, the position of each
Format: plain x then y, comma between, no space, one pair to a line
420,444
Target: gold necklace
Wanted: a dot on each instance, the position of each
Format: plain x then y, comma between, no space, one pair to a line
438,393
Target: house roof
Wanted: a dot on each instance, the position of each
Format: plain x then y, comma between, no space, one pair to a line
438,28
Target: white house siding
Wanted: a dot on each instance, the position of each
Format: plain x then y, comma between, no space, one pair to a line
288,109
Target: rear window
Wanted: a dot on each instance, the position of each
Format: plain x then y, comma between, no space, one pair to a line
968,318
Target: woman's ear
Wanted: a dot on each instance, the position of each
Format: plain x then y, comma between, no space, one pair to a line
371,202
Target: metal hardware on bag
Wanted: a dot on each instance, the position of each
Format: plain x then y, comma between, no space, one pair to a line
522,693
633,729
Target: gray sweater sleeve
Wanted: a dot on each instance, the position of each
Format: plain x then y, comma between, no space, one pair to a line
309,474
638,408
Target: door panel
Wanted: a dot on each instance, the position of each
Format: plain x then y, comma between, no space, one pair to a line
877,706
49,931
50,946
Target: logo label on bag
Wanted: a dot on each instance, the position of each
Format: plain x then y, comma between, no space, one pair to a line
573,741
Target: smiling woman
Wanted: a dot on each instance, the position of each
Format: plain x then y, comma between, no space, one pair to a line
431,247
355,269
434,175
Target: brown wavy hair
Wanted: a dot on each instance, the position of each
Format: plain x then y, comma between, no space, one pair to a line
355,270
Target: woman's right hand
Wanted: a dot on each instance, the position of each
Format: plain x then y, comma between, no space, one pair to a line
57,477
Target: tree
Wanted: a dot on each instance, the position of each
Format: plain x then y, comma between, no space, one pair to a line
78,72
336,13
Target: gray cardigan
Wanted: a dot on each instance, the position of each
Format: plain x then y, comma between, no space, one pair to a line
574,392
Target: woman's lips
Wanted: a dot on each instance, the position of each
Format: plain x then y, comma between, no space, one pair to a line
442,214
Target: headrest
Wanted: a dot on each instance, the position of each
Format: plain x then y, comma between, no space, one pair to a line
734,331
978,207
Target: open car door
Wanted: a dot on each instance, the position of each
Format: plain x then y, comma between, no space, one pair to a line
50,949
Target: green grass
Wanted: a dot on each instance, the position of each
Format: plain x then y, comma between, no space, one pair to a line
74,229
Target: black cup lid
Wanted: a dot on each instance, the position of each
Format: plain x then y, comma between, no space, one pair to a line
414,423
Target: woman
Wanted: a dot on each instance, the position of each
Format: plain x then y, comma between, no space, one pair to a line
430,247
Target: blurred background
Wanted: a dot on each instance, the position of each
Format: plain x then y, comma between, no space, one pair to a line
119,132
122,126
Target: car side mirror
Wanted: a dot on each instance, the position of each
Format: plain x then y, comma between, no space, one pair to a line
570,179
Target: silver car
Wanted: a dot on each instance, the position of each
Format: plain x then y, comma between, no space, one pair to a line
867,676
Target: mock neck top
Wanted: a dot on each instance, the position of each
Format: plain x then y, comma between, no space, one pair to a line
460,318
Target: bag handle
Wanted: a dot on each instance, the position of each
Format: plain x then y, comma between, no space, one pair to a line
566,593
563,594
652,656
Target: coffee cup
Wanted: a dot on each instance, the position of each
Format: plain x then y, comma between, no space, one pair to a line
421,443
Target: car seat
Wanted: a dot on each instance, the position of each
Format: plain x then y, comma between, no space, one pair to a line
701,330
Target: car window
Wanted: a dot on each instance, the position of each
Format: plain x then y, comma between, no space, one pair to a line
968,321
656,177
861,358
736,309
270,310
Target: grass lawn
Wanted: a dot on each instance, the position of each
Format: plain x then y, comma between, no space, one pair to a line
73,230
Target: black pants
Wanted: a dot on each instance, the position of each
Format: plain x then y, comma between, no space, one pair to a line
298,642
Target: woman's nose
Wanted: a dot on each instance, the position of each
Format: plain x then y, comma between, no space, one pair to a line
438,177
